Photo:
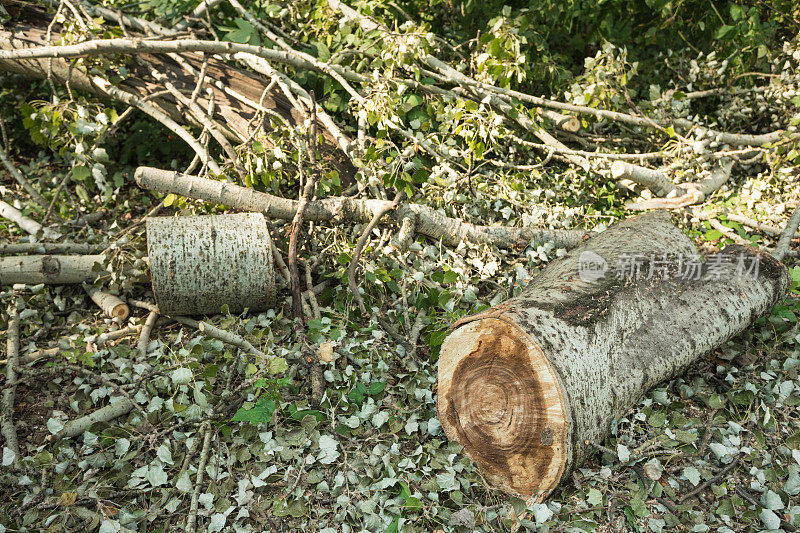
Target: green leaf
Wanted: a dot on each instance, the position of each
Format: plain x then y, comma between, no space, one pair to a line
405,492
358,394
716,401
394,525
724,31
277,365
437,338
169,199
300,414
376,388
261,412
80,173
245,33
413,504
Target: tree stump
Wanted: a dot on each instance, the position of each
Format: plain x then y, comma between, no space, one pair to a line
528,385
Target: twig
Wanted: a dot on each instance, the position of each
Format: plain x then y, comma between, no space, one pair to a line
205,119
191,520
727,232
7,426
231,338
21,179
30,226
782,247
144,335
294,234
419,323
752,501
351,270
201,10
719,475
312,298
162,117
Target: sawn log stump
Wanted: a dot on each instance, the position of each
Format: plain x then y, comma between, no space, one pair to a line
526,386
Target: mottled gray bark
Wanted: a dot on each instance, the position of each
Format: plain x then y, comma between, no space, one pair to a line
34,269
525,385
199,263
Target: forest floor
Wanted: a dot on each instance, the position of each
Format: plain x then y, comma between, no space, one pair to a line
219,439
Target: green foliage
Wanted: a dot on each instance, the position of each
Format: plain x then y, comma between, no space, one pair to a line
360,392
268,399
538,45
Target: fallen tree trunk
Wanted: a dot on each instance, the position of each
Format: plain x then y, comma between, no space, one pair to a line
237,94
528,385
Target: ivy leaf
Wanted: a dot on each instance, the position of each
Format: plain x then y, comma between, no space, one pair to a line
261,412
358,394
376,388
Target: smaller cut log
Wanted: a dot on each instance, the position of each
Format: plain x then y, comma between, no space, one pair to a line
528,386
112,305
200,263
567,123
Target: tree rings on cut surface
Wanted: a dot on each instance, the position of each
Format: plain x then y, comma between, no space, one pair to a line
503,403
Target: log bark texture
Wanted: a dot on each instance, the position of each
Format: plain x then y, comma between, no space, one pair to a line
199,263
56,269
529,384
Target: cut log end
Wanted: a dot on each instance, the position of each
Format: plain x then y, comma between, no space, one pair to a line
120,311
570,124
500,398
619,169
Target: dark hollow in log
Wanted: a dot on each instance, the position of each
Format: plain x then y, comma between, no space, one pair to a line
528,385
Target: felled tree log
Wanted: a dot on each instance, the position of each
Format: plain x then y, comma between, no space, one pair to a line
237,93
200,263
528,385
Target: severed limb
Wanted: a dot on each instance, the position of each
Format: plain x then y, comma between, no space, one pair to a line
655,181
782,247
11,213
696,193
116,409
55,269
428,221
7,427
